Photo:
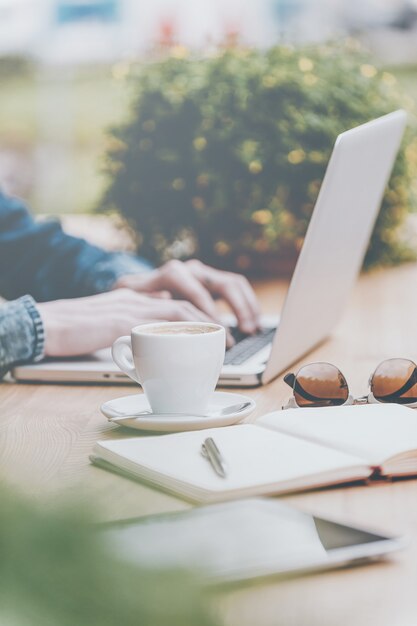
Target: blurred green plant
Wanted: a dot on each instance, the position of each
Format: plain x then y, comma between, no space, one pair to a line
223,157
55,570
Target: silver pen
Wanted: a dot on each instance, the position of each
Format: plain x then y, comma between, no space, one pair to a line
213,454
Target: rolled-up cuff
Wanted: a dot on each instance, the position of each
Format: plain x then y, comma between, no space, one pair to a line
38,329
22,335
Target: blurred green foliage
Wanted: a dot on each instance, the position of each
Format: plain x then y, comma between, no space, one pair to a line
223,157
55,570
52,125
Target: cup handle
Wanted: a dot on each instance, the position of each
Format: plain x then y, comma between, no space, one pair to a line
122,356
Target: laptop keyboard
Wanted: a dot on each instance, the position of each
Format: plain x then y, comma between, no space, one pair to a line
247,345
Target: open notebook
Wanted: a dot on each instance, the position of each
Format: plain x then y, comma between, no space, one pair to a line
283,451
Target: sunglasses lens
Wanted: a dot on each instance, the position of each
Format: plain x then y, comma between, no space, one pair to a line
395,380
320,384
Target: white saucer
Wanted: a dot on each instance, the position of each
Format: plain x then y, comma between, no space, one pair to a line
129,405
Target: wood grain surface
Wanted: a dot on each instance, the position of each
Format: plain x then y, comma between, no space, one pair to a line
47,433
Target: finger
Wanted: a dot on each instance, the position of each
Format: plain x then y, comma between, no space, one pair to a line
147,282
234,288
237,293
172,310
185,311
178,278
251,299
164,295
235,297
230,341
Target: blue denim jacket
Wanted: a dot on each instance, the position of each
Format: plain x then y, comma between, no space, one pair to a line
39,262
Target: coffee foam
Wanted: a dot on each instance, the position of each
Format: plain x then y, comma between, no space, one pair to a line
168,329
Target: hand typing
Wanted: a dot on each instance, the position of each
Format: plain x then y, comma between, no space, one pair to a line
198,283
83,325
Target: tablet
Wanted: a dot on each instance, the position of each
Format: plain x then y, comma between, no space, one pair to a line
246,539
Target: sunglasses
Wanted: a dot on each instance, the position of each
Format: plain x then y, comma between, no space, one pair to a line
323,384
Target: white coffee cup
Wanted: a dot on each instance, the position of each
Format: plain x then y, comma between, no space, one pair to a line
177,363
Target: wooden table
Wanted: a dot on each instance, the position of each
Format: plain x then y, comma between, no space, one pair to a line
47,432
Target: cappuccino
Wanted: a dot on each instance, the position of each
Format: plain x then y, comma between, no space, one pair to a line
180,329
177,363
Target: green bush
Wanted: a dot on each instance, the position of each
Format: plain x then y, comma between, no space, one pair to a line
222,157
56,570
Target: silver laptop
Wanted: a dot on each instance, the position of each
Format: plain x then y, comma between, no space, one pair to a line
328,265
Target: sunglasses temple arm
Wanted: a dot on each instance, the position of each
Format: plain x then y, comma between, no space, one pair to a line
289,379
292,382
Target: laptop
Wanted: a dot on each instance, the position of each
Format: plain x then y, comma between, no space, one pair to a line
329,262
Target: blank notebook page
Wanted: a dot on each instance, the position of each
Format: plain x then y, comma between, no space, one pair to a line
373,432
255,457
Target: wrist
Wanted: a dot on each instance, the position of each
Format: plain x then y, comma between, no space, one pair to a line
53,330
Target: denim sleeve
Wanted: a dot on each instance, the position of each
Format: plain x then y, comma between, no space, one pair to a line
22,335
38,258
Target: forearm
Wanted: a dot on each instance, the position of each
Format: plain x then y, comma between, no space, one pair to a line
21,333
